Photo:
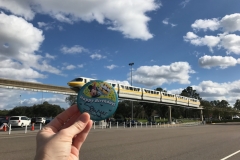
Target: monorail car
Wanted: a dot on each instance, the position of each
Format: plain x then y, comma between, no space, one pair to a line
194,102
79,82
168,98
130,92
150,95
182,100
137,93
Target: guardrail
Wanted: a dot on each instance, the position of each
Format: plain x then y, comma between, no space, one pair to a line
105,125
5,127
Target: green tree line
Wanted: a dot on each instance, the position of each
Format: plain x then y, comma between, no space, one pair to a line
37,110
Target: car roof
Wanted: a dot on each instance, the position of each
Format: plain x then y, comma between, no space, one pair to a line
18,116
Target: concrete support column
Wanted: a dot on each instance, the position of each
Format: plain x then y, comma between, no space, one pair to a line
201,114
170,114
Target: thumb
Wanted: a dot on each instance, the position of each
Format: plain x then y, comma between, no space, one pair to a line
79,125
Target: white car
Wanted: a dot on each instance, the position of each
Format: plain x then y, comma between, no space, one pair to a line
19,121
41,120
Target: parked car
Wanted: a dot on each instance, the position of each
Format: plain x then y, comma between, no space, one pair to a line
152,122
133,123
41,120
4,119
19,121
33,120
119,120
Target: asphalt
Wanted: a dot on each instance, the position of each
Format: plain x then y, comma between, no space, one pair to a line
195,142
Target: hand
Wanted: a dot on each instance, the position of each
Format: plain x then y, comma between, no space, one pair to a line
63,137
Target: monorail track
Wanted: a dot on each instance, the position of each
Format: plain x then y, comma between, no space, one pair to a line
36,87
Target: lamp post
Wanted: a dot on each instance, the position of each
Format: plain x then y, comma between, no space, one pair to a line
131,64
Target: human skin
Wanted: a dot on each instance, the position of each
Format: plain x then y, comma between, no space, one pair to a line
63,137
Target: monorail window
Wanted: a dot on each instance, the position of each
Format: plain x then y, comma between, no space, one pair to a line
122,86
131,88
113,85
79,79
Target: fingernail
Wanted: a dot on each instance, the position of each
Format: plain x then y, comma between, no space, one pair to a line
84,117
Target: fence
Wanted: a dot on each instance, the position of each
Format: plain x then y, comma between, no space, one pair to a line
103,124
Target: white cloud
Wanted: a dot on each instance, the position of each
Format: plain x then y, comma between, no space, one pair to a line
97,56
111,66
21,40
70,67
50,56
217,61
80,66
166,22
211,24
127,17
231,42
46,26
20,8
15,70
231,23
11,98
158,75
73,50
210,90
184,3
51,100
119,82
210,41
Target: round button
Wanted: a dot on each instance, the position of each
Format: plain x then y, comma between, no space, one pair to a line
98,98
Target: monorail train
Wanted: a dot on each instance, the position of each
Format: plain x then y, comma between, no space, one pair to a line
143,94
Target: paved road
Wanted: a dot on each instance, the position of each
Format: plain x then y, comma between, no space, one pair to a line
205,142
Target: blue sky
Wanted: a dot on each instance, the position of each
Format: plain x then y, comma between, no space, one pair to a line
173,44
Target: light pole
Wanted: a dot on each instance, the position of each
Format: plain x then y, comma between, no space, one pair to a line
131,64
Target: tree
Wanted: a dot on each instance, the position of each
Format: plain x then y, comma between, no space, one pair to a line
223,104
160,89
4,112
207,108
161,110
148,108
189,92
123,110
71,99
39,110
237,104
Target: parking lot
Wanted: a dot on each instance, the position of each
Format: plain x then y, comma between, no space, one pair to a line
213,142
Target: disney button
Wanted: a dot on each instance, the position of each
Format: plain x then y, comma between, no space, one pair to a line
98,98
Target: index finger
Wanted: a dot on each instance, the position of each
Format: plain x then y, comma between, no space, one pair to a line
59,121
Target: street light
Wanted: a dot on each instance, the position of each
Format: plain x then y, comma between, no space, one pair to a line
20,100
131,64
